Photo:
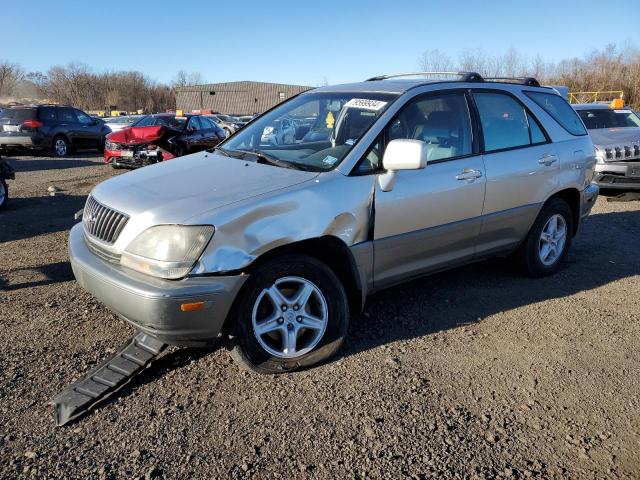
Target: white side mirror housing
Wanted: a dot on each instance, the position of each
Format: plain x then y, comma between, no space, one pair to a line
401,154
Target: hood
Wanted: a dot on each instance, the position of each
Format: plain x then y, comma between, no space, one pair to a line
175,191
615,137
137,135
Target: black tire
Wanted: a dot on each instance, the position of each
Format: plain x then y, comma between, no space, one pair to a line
57,149
4,193
528,255
181,150
245,349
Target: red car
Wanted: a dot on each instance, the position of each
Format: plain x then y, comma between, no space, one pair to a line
155,138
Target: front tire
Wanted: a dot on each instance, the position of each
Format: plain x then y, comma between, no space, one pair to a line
4,193
547,245
292,313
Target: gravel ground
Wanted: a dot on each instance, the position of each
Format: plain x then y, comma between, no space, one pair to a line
472,373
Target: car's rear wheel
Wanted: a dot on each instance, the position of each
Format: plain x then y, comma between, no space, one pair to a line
60,146
292,313
547,245
4,193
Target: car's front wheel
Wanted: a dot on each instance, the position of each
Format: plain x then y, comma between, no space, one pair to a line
292,313
547,244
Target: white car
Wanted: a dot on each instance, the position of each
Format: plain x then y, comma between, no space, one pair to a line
282,132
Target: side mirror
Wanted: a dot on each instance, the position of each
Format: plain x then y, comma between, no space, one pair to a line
191,130
401,154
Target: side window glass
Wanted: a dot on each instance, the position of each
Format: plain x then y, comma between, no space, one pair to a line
504,121
441,121
560,110
83,118
372,161
195,123
536,131
48,114
67,115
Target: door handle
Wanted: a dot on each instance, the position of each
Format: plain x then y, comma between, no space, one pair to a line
469,174
547,159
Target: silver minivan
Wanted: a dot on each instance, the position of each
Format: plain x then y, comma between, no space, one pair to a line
272,247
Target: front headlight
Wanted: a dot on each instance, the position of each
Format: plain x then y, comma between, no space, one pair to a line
109,145
167,251
599,155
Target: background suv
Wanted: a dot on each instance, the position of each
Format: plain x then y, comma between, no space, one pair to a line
58,129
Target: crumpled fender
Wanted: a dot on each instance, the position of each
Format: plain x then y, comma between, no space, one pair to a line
138,135
311,210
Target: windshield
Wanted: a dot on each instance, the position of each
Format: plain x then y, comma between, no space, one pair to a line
176,123
607,118
314,131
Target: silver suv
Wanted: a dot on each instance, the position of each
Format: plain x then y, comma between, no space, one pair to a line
273,246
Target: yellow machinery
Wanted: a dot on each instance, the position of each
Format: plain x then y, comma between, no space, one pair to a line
604,96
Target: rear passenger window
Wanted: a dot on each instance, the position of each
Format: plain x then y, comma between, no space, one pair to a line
67,115
560,110
505,122
441,121
48,114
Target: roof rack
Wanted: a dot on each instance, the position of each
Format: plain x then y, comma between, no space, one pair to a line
464,76
528,81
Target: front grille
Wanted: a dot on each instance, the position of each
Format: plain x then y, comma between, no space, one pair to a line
101,222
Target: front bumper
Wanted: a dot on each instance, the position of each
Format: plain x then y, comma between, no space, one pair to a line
151,304
139,158
617,175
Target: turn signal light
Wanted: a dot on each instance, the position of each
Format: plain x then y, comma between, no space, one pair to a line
192,307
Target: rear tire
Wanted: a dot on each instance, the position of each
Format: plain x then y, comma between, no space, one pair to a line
4,193
547,245
295,336
60,146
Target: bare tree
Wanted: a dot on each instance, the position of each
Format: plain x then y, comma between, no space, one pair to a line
11,74
184,79
435,61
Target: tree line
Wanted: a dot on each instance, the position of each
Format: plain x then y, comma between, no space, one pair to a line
78,85
610,68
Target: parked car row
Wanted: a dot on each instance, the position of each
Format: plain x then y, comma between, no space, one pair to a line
159,137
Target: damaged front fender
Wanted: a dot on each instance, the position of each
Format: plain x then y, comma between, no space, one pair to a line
319,208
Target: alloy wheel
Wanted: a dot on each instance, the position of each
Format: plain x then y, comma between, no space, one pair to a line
60,147
552,240
290,317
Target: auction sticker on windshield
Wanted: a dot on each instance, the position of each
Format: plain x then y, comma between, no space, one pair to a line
365,104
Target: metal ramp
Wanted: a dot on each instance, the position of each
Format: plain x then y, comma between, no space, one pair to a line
107,378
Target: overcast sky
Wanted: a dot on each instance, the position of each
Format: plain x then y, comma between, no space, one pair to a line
300,42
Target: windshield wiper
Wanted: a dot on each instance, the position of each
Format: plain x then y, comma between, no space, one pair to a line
269,159
230,153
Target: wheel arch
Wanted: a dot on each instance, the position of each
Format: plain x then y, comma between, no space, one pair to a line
572,197
331,251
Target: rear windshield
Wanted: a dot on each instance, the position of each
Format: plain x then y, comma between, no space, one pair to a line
607,118
560,110
18,114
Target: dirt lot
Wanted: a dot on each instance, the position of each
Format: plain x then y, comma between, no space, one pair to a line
473,373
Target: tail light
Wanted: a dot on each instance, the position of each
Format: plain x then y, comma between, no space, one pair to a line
32,123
